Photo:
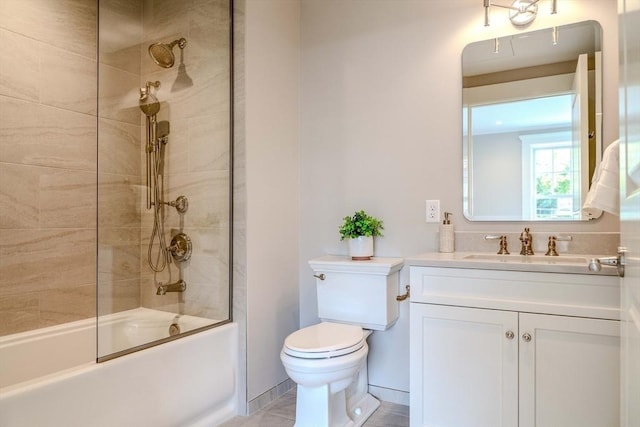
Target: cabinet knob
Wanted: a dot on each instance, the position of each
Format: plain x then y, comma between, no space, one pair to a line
526,337
509,335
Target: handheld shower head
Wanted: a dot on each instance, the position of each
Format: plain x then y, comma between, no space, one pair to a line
162,53
148,102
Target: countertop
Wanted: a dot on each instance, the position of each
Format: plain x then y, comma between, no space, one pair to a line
565,263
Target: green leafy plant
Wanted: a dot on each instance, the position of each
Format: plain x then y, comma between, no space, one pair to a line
360,224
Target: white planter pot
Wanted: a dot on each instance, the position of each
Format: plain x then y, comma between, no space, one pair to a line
361,248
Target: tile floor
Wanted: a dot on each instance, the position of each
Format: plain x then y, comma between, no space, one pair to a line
282,413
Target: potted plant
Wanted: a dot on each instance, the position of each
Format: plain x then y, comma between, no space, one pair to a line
360,229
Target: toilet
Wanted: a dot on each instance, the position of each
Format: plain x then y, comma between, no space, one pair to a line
328,361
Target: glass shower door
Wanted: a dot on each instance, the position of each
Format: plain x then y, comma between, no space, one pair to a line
164,171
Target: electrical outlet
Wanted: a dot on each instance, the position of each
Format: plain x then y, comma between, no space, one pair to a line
433,211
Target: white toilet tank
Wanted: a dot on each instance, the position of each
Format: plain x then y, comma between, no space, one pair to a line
357,292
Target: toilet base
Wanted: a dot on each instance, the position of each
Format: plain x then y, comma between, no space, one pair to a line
321,406
363,409
337,415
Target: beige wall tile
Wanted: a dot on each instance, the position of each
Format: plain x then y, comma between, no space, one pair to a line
36,197
209,94
209,30
119,93
118,200
121,34
67,198
36,260
119,147
208,301
67,24
208,194
20,67
39,135
19,313
209,143
206,274
63,305
119,252
19,196
67,80
117,295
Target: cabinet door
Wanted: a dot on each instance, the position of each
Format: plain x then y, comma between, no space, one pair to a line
464,367
569,371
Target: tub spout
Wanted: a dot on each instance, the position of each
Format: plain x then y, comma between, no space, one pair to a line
179,286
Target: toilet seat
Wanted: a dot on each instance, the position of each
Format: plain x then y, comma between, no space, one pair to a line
324,340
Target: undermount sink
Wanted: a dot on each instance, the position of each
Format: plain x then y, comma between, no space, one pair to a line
529,259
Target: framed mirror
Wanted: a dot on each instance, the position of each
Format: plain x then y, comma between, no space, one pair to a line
532,123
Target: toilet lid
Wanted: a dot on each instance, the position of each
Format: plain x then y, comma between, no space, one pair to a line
324,340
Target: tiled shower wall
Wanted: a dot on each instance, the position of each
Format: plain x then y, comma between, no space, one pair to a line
48,151
119,150
47,162
195,98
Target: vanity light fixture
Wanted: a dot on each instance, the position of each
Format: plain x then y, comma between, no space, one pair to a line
521,12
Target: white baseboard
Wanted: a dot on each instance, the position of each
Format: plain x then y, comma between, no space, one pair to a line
269,396
390,395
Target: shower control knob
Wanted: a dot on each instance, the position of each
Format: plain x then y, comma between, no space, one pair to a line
181,247
181,204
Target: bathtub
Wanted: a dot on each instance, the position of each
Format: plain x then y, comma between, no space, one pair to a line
49,377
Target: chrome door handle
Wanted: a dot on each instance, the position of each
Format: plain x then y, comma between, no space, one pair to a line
526,337
510,335
619,261
320,276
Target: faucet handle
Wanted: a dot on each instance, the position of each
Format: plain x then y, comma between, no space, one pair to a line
551,247
503,243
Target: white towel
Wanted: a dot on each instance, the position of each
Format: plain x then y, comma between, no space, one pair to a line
604,194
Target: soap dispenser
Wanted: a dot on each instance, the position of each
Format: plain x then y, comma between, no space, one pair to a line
446,234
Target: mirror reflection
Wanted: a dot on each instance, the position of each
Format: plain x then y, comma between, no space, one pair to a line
531,123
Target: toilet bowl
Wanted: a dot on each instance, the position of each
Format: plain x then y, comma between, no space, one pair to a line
328,362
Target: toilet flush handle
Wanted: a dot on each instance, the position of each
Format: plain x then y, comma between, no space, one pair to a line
320,276
405,295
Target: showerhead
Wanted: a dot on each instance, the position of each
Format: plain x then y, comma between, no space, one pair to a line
162,54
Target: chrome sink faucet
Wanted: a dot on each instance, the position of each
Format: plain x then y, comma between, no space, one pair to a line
527,242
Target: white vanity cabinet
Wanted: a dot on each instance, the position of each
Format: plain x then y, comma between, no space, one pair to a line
494,348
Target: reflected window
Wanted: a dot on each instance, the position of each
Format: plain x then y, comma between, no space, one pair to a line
553,187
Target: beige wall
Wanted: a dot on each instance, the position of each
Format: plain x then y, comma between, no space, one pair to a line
47,163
